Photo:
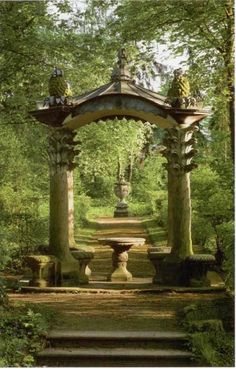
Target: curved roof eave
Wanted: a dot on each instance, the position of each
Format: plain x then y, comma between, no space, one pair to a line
108,106
121,87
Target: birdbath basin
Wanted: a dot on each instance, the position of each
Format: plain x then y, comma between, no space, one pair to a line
120,246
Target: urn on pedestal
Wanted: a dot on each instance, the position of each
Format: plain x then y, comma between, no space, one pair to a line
122,189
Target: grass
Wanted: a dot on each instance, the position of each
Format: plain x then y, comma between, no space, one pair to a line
100,211
157,235
210,328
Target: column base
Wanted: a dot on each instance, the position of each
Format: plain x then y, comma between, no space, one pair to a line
121,274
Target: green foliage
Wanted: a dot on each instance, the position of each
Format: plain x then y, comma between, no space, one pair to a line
140,208
213,349
82,207
23,333
4,301
225,233
212,203
210,344
207,325
98,209
156,235
105,146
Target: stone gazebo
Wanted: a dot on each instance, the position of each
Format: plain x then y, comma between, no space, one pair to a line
121,97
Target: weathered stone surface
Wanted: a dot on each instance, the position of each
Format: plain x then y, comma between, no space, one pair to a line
62,151
120,245
196,268
84,256
179,153
45,270
122,190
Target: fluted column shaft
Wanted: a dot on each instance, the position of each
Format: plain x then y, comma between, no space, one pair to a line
61,229
179,152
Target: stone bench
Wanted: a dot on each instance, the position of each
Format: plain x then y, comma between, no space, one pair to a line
192,271
196,267
45,270
84,256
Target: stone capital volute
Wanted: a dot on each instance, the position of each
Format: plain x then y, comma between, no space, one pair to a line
62,149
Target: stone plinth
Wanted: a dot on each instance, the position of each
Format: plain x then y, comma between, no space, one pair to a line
156,255
45,270
120,246
121,210
84,256
196,268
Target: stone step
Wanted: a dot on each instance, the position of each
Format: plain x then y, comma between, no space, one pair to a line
149,339
100,357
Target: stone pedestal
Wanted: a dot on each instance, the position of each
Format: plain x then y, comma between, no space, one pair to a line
121,247
119,264
121,210
45,270
157,255
196,268
84,256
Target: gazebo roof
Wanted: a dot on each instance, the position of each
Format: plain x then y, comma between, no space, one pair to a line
121,97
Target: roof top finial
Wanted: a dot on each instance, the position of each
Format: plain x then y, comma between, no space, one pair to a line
121,70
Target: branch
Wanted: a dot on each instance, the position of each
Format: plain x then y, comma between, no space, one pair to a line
212,37
28,57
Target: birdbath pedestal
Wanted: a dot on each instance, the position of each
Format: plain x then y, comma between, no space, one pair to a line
120,246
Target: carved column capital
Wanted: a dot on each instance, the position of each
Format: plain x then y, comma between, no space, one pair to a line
180,149
62,149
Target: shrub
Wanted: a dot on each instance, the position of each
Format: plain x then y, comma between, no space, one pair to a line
210,343
213,348
82,206
23,333
226,235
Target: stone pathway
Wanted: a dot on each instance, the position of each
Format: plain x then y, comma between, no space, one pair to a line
114,308
116,311
138,264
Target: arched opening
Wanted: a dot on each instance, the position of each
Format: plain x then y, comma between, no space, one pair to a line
121,98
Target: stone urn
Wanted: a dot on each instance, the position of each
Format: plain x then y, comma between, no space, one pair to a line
122,190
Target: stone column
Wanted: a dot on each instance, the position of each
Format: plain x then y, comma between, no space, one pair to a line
179,152
61,232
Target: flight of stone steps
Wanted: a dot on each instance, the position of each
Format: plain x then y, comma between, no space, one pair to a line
115,349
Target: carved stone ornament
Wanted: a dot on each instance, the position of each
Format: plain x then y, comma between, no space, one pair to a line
121,70
62,149
180,149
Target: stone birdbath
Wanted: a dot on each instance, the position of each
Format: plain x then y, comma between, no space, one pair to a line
121,246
